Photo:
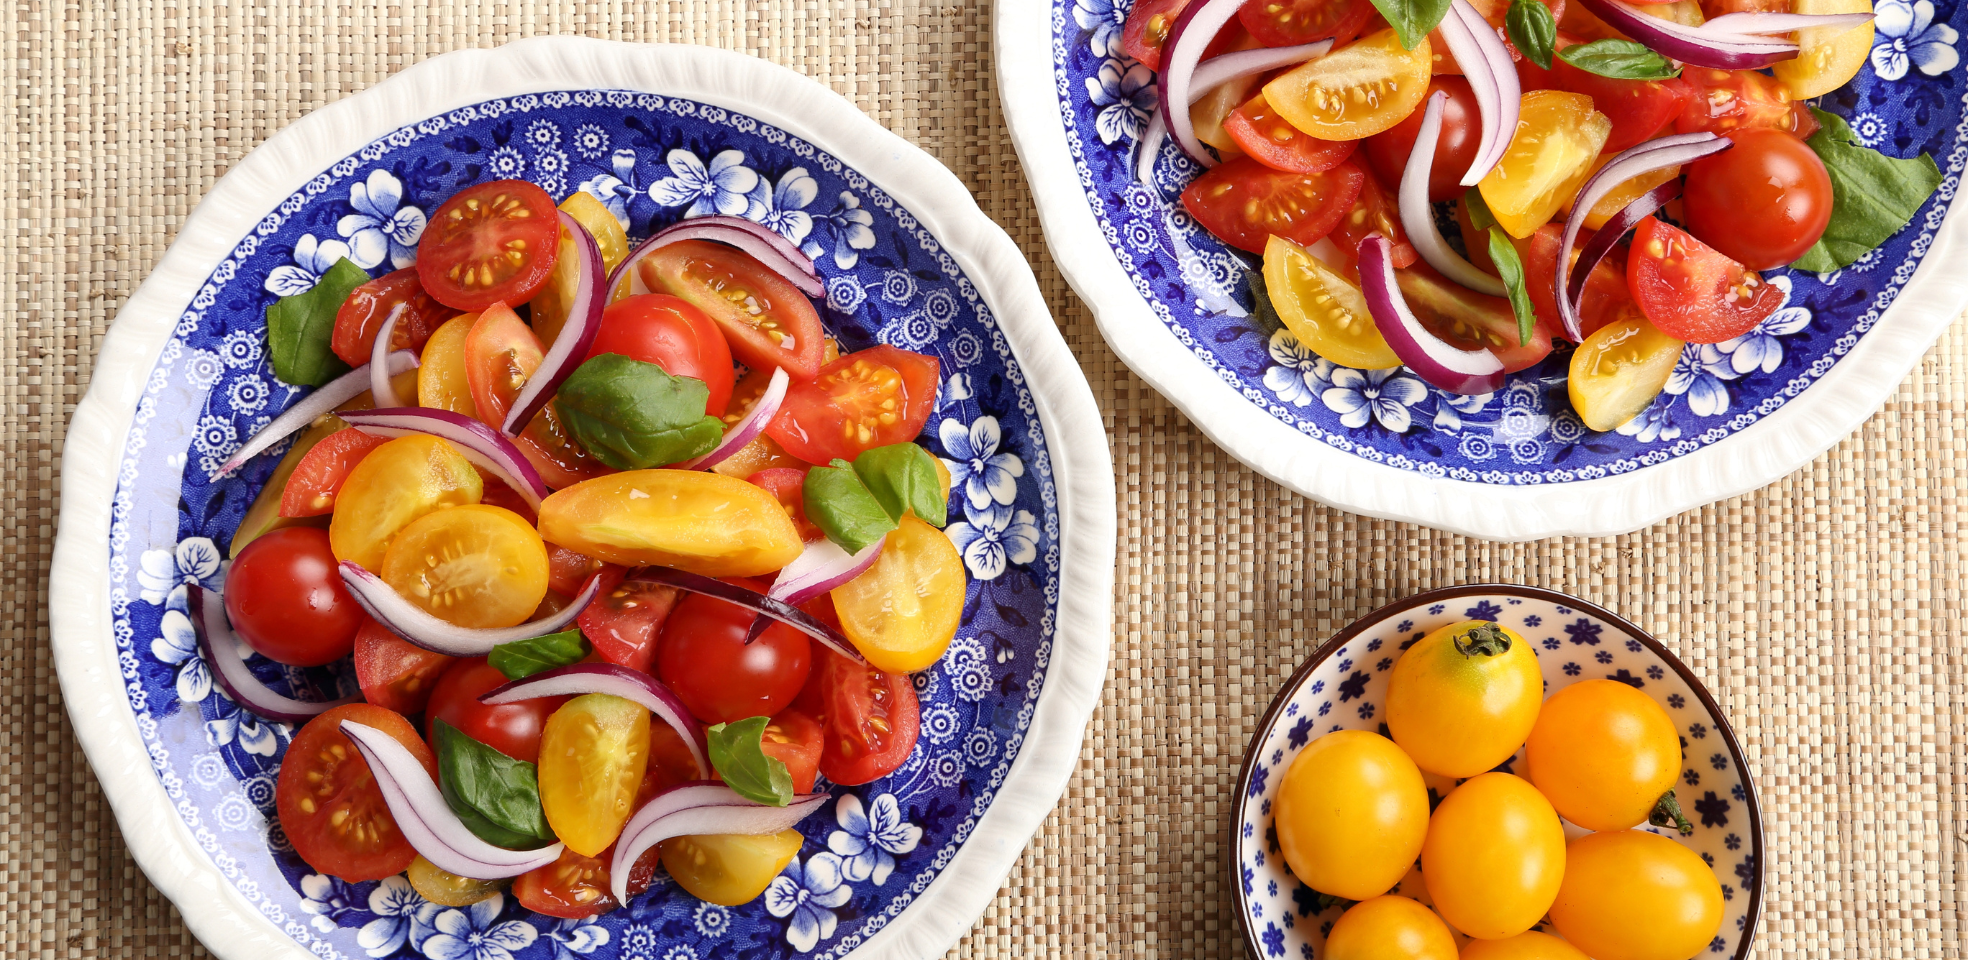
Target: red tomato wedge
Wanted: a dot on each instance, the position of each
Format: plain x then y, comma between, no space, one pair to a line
1692,292
1605,299
568,570
788,484
363,313
1374,211
394,672
330,806
794,739
1285,23
310,491
1271,140
626,618
670,333
1455,147
1637,108
765,319
1470,320
1244,202
571,887
864,400
871,719
1147,28
490,243
1722,101
500,354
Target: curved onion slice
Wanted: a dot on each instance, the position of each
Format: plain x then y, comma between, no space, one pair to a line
570,347
1418,215
694,809
1213,73
1645,158
427,821
380,386
409,621
1492,77
1603,241
1194,29
221,652
634,685
1767,24
1467,372
749,427
324,399
1694,46
766,246
485,447
778,610
822,566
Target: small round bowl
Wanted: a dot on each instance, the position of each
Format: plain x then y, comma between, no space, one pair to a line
1344,686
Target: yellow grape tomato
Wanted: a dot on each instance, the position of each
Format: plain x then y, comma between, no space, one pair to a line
1325,311
1494,856
1529,945
1619,370
729,869
693,520
1351,814
593,753
441,380
1558,139
395,484
1356,91
1632,895
902,611
1389,928
1464,697
1603,753
474,565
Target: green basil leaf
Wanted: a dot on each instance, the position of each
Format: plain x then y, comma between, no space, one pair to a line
738,754
633,415
497,797
903,478
1480,216
524,658
1503,253
1872,195
1620,60
1533,30
843,508
300,327
1412,19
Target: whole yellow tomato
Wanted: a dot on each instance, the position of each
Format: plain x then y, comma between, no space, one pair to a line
1631,895
1529,945
1389,928
1494,856
1603,753
1462,699
1351,814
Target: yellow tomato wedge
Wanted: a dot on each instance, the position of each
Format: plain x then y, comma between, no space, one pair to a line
394,485
475,565
447,889
1356,91
729,870
1558,139
549,306
902,612
1624,193
442,383
593,753
1619,370
1322,309
692,520
1827,57
1687,13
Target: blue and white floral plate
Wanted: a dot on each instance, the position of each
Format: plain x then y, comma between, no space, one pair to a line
897,868
1516,464
1344,683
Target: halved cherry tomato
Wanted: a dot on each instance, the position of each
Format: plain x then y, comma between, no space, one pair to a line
263,517
729,869
286,600
442,382
1355,91
1720,101
670,333
592,756
1324,310
363,313
1147,29
548,311
789,485
1455,146
902,612
1827,57
571,887
1559,135
1286,23
1470,320
1268,139
1374,211
394,672
330,806
670,764
793,738
1604,300
1244,202
1619,370
497,494
493,242
626,618
864,400
394,485
311,490
1762,202
473,565
512,728
447,889
568,570
871,718
693,520
500,354
1637,108
767,321
704,658
1692,291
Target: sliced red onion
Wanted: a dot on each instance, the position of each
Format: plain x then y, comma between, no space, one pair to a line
1644,158
380,385
570,347
1418,215
749,427
221,652
1194,29
778,610
576,679
1695,46
324,399
412,623
1149,149
1767,24
424,819
1466,372
1492,77
821,567
1573,293
485,447
693,810
762,242
1213,73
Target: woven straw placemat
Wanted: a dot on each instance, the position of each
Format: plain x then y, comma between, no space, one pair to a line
1825,611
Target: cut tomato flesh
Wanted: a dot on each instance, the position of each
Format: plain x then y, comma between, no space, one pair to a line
1692,292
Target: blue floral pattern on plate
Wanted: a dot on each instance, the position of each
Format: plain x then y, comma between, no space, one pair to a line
1909,100
651,161
1342,688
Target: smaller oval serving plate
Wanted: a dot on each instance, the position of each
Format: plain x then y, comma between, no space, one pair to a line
1344,685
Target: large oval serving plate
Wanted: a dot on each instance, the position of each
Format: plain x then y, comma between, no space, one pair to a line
897,868
1516,464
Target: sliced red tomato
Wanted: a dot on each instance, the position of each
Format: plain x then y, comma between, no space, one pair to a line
510,728
1716,8
1637,108
1455,146
568,570
871,398
626,618
1691,291
766,320
871,719
493,242
670,333
1244,202
500,354
670,764
1470,320
497,494
1374,211
1285,23
1722,101
330,806
310,492
1604,300
703,656
394,672
571,887
363,313
1270,140
788,484
794,739
1147,29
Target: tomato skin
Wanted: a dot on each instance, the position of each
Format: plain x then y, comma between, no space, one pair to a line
1351,814
1632,895
1389,927
1637,108
500,354
1147,27
442,380
704,658
464,257
694,520
626,617
310,491
1375,210
1692,292
1763,202
729,869
765,319
568,570
867,399
793,738
394,673
1285,23
512,729
1619,370
323,775
670,333
1494,856
361,316
1244,202
1529,945
1267,138
871,718
285,598
1457,704
788,484
1470,320
571,887
1455,147
1603,753
903,611
1722,101
1604,300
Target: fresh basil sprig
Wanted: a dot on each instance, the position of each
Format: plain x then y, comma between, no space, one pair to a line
497,797
1872,195
1533,30
842,506
1620,60
903,479
523,658
1412,20
738,754
633,415
301,327
1510,267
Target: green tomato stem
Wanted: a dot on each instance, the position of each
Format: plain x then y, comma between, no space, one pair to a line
1486,639
1667,813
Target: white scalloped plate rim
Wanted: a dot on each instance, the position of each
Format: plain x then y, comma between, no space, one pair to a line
79,611
1854,388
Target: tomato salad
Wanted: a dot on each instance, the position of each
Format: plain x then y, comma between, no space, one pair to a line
627,555
1333,133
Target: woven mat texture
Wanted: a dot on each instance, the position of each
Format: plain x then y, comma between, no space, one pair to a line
1824,611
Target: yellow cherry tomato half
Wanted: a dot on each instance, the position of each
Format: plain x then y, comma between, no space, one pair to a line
1603,753
473,565
1619,370
902,611
1631,895
1827,57
395,484
1558,139
728,869
447,889
1322,309
1356,91
593,753
692,520
1462,699
549,306
1351,814
441,380
1494,856
1529,945
1389,928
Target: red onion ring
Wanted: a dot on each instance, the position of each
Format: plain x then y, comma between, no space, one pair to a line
759,603
764,244
1466,372
616,681
1418,215
485,447
749,427
1187,39
324,399
380,386
219,648
570,347
821,567
1694,46
1492,77
409,621
1213,73
695,809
